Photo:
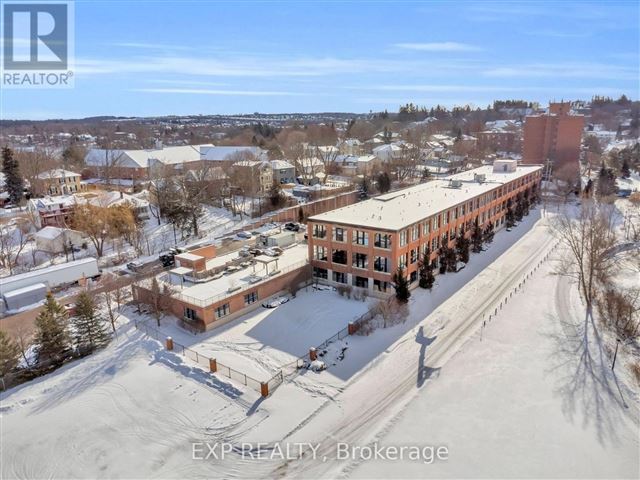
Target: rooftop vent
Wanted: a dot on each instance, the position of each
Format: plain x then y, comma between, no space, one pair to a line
479,177
455,183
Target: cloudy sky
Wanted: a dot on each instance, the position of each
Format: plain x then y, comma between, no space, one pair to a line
206,57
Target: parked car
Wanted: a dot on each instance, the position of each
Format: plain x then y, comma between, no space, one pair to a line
244,234
292,227
256,251
244,252
167,259
273,251
135,266
275,302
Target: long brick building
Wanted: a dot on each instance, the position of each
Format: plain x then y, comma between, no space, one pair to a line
363,244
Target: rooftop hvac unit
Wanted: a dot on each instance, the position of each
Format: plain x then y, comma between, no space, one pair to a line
455,183
479,177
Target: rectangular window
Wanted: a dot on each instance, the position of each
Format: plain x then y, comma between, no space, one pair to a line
413,276
402,261
320,273
413,258
319,231
382,240
360,260
425,228
380,285
415,233
250,298
319,253
381,264
339,256
223,310
339,277
361,238
190,314
338,234
403,238
362,282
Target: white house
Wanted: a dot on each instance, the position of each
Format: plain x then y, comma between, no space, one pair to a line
55,240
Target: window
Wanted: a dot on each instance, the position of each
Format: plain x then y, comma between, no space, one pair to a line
413,276
190,314
360,260
403,238
338,234
434,244
382,240
425,228
361,238
320,273
319,253
402,261
381,264
319,231
339,256
223,310
250,298
362,282
414,255
339,277
380,285
415,233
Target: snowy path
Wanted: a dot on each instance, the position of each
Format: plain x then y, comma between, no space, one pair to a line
380,392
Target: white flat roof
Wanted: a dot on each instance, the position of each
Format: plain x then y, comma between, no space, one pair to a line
241,278
189,256
397,210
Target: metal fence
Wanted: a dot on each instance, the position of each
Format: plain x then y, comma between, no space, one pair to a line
207,362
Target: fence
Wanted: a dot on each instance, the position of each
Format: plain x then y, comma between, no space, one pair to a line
211,364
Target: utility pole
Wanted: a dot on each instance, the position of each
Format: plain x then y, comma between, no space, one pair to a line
615,355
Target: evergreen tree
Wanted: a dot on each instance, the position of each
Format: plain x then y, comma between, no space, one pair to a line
442,259
90,331
625,170
384,182
476,237
52,335
518,212
401,285
12,179
451,259
425,266
487,235
276,197
462,248
9,354
509,216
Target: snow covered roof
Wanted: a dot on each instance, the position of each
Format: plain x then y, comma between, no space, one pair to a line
219,154
57,173
397,210
280,164
51,233
144,158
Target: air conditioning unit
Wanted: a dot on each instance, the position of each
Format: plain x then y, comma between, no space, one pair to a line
479,177
455,183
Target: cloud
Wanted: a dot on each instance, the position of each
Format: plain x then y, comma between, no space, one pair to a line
439,47
197,91
563,70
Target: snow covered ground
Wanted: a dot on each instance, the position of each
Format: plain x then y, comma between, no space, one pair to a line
516,398
261,342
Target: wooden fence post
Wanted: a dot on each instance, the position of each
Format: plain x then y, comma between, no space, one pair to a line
169,343
313,355
264,389
213,365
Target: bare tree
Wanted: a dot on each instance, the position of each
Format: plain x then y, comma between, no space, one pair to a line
590,237
13,239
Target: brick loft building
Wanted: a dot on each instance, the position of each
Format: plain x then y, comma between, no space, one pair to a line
363,244
554,137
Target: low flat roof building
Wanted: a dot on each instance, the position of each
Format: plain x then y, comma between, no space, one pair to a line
364,243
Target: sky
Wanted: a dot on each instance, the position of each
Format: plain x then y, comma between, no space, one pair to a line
144,58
